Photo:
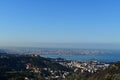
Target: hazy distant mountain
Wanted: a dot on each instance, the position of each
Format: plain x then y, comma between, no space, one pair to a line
55,51
2,51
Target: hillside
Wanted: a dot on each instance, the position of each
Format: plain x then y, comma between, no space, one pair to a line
14,67
35,67
111,73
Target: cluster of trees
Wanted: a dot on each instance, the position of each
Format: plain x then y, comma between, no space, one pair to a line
13,67
111,73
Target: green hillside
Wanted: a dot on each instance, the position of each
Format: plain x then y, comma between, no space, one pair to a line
111,73
35,67
14,66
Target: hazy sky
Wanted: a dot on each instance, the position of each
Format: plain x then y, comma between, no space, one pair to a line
59,21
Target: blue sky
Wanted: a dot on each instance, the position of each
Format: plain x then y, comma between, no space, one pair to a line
59,21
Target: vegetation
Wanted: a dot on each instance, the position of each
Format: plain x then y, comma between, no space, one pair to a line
111,73
13,67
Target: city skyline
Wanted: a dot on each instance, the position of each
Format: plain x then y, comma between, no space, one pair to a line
61,23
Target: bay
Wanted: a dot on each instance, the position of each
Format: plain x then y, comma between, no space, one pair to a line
106,57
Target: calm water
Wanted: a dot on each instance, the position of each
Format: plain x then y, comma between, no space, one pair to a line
108,57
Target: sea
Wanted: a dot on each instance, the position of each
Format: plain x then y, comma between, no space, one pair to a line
106,57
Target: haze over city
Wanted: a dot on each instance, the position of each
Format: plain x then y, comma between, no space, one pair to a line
60,23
